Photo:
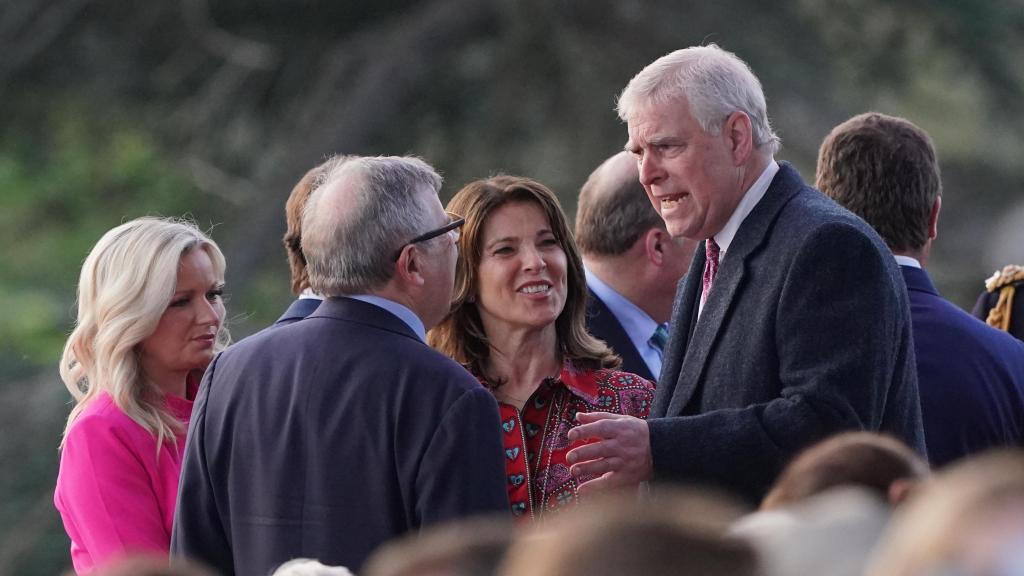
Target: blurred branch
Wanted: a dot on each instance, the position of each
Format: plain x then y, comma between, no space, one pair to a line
232,48
32,33
362,85
217,182
220,92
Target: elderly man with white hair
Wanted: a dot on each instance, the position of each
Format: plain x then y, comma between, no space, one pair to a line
792,322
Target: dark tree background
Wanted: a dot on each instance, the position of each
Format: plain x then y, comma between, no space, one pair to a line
112,109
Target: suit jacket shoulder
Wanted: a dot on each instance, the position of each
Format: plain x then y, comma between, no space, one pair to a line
970,375
369,431
299,309
602,324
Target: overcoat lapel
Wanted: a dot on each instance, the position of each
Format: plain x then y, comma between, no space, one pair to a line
693,348
680,331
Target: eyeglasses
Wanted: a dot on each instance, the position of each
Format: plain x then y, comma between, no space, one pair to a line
455,222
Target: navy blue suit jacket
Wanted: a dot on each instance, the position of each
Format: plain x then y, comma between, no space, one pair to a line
806,332
603,324
971,376
327,437
298,310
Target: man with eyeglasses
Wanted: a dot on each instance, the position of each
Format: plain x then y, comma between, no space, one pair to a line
327,437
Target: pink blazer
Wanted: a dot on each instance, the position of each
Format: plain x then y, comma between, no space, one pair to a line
115,491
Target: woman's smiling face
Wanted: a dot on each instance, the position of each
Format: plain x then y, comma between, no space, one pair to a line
522,271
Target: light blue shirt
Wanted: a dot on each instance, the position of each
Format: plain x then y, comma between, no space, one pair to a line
907,261
403,313
637,324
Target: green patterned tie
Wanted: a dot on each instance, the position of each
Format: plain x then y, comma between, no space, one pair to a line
659,338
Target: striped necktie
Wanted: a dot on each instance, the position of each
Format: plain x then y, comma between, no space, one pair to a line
659,338
710,267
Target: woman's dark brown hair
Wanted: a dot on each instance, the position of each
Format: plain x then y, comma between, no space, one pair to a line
461,334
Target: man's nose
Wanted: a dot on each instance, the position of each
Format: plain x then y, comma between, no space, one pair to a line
650,170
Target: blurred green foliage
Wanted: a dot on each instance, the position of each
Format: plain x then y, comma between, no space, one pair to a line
66,177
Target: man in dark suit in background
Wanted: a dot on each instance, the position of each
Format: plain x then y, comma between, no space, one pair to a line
306,300
327,437
971,376
632,265
792,322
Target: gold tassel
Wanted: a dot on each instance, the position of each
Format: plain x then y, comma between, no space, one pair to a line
1003,281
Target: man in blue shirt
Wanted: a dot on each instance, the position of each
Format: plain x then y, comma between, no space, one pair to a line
632,265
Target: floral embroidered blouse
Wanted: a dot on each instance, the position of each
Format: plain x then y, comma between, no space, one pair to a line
536,438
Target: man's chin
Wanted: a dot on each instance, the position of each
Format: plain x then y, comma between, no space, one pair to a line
677,230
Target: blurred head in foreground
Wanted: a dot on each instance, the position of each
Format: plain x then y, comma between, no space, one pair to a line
670,533
968,521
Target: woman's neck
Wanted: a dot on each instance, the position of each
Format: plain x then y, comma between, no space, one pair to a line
170,383
521,361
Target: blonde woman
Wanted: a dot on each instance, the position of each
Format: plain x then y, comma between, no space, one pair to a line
150,319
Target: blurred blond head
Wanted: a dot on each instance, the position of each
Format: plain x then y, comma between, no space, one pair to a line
968,520
470,547
670,534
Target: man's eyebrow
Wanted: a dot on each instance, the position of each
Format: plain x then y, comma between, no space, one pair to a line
665,139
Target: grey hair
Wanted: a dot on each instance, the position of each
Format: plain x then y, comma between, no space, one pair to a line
713,82
362,210
613,210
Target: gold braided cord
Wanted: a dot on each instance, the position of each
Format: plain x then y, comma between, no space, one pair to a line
1005,282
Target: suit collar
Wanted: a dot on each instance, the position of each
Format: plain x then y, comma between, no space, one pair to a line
746,205
755,227
603,324
299,309
634,321
917,280
352,310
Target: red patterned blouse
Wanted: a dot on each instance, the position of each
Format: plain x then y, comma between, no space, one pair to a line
536,438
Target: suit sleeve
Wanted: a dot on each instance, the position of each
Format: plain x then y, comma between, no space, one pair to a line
464,452
840,331
199,532
106,494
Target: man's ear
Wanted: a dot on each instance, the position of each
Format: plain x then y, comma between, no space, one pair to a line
933,219
409,268
739,132
901,489
654,245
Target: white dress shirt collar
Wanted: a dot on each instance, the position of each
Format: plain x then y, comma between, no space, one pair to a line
308,294
907,261
750,199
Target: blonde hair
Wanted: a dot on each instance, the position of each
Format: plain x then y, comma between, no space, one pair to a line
126,284
933,533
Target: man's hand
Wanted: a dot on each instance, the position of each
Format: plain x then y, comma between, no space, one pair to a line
620,456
